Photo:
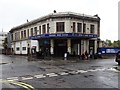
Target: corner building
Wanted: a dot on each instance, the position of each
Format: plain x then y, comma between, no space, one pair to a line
58,33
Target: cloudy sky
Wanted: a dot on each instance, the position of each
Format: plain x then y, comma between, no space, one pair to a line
16,12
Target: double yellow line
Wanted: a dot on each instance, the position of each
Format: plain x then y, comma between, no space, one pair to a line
21,84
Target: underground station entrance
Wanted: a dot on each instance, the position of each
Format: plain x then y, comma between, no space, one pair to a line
60,47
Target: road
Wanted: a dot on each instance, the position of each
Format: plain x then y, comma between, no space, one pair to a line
18,72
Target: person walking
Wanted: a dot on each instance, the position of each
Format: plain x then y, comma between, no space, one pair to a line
86,55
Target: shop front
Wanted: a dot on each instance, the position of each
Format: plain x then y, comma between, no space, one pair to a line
73,43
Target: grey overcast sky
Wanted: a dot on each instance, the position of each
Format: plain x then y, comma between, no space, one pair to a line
16,12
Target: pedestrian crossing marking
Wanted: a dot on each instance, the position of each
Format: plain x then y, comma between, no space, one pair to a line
92,70
112,69
27,78
81,71
39,76
13,78
63,73
52,74
10,80
74,72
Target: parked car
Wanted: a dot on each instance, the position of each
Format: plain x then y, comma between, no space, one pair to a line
117,59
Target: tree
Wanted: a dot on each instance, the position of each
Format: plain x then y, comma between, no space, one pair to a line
116,43
108,42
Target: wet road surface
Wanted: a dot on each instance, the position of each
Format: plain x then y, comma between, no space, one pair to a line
16,70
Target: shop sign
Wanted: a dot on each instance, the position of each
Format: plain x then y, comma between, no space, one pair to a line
111,50
64,35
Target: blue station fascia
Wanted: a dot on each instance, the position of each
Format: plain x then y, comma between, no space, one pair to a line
64,35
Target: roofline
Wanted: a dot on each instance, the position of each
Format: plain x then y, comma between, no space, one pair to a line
58,15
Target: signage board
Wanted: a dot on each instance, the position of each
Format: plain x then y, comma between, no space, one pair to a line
64,35
112,50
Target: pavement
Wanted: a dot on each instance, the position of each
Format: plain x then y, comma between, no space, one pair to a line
6,60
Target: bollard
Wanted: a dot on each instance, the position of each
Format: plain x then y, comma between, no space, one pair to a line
65,56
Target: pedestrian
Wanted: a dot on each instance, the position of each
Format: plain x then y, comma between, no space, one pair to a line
83,56
86,55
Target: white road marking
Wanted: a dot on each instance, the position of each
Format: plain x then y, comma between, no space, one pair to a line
73,72
10,80
63,73
39,76
13,78
112,69
27,78
60,73
81,71
52,74
91,70
102,69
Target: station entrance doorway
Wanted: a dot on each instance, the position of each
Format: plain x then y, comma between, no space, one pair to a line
60,47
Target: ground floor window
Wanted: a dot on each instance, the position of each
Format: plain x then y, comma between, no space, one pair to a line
23,48
75,47
91,47
60,46
17,48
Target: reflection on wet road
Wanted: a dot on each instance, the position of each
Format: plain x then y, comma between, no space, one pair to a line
59,74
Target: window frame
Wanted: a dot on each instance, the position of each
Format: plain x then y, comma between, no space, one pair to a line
31,31
17,48
74,26
23,48
79,27
60,26
35,30
92,28
44,29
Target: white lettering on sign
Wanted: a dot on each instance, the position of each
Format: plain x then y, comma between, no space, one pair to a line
52,35
103,51
58,34
110,50
64,34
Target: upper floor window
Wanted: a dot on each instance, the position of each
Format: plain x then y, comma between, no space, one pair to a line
74,26
35,30
84,27
44,29
21,34
31,31
24,33
79,27
92,28
39,29
48,28
28,32
60,26
12,36
16,36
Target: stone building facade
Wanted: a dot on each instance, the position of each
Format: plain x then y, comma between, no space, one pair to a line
58,33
